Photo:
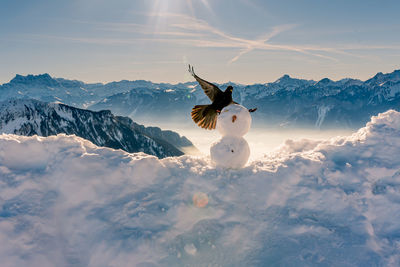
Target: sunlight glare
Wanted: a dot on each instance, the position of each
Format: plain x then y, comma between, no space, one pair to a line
164,12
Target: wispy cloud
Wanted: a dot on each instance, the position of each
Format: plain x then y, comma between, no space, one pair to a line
87,40
182,29
217,38
260,43
135,28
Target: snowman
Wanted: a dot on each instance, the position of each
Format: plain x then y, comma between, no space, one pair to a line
232,150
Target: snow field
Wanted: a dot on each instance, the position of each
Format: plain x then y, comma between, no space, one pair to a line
65,201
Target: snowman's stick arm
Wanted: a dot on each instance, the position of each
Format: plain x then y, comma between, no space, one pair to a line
250,109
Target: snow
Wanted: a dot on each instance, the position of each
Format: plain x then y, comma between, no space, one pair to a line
322,111
64,113
12,125
65,201
394,90
234,120
230,152
190,249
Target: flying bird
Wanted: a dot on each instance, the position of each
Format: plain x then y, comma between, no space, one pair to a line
205,116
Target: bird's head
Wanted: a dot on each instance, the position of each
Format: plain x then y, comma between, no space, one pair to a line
229,89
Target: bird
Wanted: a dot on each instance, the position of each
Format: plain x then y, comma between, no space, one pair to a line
205,116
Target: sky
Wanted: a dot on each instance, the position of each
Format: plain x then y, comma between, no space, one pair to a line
243,41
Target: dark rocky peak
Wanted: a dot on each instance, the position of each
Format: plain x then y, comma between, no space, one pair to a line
41,79
381,78
284,79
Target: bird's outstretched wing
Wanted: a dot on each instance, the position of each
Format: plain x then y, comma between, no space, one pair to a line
211,90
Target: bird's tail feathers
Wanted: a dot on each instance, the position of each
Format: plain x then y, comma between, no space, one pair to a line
205,116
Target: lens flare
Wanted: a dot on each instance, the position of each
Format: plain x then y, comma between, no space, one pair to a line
200,200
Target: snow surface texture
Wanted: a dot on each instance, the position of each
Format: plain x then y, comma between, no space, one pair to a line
234,120
64,201
230,152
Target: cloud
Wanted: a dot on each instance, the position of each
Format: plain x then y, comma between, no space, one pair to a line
214,37
186,30
275,31
87,40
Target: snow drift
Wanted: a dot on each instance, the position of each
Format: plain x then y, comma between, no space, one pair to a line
65,201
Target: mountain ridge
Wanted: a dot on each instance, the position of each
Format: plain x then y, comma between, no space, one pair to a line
287,101
32,117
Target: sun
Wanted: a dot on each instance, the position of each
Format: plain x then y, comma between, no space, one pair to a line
172,6
189,3
162,10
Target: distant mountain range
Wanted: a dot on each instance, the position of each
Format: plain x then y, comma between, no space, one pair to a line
30,117
287,102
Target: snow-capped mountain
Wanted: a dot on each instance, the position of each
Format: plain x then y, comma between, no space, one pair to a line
65,201
30,117
71,92
287,101
44,87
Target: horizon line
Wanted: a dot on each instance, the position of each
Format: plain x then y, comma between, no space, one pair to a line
194,81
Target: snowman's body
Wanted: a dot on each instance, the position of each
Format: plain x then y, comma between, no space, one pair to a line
232,150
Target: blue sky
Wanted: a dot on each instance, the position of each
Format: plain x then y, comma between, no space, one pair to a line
245,41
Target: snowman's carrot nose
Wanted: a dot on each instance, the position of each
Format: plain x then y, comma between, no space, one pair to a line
234,118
